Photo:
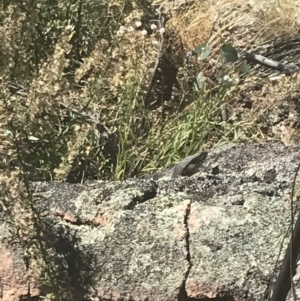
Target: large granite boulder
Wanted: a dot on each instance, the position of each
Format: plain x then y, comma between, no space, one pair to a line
215,233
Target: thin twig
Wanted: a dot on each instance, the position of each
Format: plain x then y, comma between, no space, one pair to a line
285,278
270,63
159,56
292,234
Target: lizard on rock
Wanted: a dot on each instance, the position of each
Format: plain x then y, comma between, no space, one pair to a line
189,165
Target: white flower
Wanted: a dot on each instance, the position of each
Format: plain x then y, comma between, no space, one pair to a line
153,27
130,28
121,31
144,32
138,24
162,30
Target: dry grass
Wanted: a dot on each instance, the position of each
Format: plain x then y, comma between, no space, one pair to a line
278,18
76,75
195,24
73,89
77,105
260,20
246,26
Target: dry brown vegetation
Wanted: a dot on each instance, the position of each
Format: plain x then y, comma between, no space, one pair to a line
74,83
80,100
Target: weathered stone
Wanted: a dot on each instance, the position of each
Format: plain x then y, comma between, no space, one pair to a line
217,233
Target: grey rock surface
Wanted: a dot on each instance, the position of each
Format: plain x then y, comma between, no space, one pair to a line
214,234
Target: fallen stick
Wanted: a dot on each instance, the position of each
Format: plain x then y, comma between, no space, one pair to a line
256,58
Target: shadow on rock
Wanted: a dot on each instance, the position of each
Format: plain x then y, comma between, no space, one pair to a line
70,266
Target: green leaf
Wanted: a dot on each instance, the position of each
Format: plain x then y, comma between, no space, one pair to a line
198,50
229,48
229,53
245,69
203,51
